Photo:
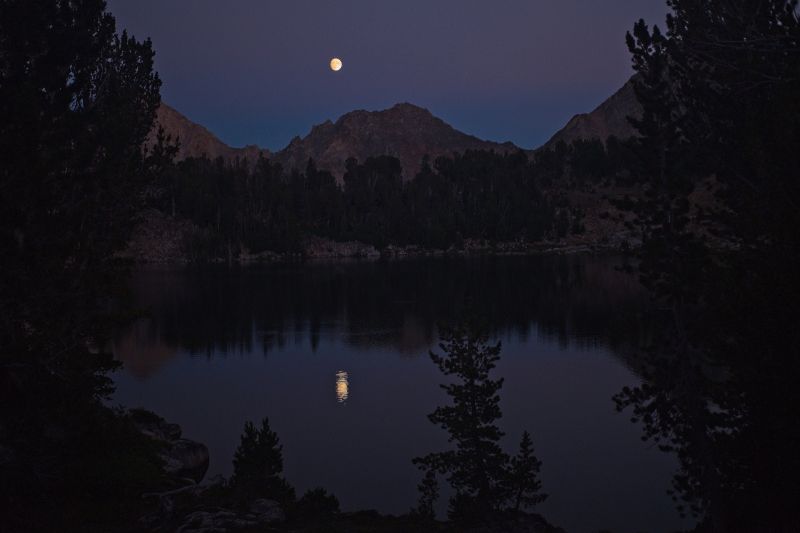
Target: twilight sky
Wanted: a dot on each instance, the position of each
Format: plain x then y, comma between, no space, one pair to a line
256,71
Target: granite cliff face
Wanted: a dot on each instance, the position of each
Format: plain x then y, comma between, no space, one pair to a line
197,141
404,131
609,118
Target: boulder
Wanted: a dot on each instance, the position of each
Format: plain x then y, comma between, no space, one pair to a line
154,426
183,458
186,458
267,511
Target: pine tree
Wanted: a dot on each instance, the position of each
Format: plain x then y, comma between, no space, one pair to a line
317,503
730,79
428,495
524,486
77,100
476,469
258,465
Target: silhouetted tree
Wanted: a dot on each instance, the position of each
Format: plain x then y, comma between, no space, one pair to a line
317,503
720,97
475,195
524,486
477,469
258,465
428,495
77,101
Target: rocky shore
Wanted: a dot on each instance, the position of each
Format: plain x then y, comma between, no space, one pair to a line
184,460
190,504
194,506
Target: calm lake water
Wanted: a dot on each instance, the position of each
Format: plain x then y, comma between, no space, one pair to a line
335,354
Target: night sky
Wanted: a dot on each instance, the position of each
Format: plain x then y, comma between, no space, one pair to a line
256,71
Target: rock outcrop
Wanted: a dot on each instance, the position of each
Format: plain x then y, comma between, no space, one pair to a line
183,458
261,513
186,458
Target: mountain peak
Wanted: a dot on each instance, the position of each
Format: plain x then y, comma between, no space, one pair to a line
407,107
405,131
402,111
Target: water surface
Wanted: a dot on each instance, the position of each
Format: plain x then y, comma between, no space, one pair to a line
335,354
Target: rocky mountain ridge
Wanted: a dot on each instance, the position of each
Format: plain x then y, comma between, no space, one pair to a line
197,141
607,119
405,131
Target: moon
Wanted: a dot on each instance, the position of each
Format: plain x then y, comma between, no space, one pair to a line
336,64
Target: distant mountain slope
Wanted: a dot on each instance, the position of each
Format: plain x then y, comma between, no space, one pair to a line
404,131
196,141
609,118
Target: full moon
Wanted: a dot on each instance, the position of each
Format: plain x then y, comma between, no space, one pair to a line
336,64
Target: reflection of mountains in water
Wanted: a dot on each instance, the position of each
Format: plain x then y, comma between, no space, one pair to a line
583,300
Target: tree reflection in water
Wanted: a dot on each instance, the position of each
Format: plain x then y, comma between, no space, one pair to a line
215,310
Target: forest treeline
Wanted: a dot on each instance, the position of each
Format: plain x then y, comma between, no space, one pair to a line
475,195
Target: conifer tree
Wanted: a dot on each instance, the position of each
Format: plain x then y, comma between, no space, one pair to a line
77,101
524,485
478,469
258,465
428,495
730,88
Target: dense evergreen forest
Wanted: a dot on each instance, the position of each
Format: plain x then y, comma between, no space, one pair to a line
475,195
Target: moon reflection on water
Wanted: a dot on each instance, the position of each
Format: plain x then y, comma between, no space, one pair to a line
342,386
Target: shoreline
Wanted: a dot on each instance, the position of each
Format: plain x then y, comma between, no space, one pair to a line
357,251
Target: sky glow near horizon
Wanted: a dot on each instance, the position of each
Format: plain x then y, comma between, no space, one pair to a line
257,71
